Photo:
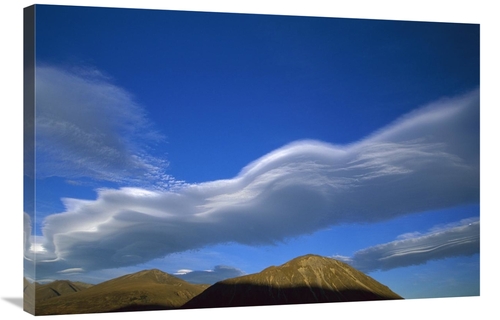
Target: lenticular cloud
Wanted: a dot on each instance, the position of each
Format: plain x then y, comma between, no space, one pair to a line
427,160
88,127
451,241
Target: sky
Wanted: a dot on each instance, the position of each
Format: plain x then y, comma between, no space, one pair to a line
213,145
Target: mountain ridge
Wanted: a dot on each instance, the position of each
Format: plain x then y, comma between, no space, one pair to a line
305,279
144,290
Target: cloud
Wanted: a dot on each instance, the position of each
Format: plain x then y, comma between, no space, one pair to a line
449,241
219,273
182,272
26,233
88,127
71,271
427,160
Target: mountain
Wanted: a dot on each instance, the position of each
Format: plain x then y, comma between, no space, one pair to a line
144,290
28,296
306,279
58,288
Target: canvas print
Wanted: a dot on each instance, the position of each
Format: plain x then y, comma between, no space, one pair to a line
184,160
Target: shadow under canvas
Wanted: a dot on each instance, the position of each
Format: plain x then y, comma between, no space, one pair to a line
17,301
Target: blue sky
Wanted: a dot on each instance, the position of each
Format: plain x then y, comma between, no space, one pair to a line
214,145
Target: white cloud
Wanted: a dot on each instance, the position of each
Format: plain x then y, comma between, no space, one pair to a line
26,232
453,240
409,235
88,127
219,273
71,271
428,160
182,271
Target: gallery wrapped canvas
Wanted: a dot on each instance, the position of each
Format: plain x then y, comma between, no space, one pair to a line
180,160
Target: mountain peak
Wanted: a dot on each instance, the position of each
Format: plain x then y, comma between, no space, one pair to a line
305,279
151,275
144,290
150,272
309,259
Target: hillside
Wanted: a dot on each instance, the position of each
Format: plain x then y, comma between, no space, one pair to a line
144,290
306,279
58,288
28,296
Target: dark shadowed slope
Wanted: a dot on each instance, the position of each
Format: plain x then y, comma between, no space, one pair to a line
145,290
306,279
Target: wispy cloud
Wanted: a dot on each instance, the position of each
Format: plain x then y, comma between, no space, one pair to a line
219,273
86,126
26,233
71,271
427,160
460,239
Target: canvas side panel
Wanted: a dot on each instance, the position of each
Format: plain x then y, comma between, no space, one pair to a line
29,158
